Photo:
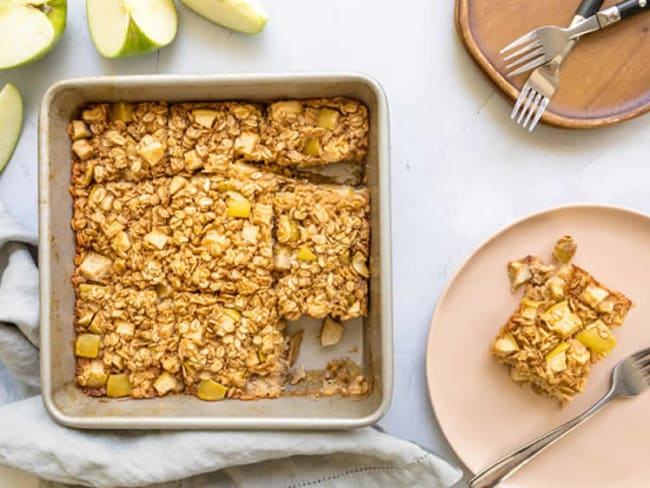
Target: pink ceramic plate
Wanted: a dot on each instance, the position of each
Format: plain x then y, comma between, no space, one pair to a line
484,415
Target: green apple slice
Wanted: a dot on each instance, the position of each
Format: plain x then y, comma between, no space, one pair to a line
11,122
29,29
245,16
130,27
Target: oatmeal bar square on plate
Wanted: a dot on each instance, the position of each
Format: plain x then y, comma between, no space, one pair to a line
562,326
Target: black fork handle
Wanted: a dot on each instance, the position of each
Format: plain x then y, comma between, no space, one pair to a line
628,8
587,8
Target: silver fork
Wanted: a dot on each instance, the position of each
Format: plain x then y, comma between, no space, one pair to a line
544,81
542,45
630,378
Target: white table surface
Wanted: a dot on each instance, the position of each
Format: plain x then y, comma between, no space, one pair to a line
460,169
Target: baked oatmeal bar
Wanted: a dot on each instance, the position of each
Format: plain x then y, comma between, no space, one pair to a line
235,342
302,133
210,136
205,232
120,141
563,325
143,344
124,345
134,142
323,235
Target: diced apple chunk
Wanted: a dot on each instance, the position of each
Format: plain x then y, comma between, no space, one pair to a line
95,266
282,258
210,390
114,228
288,230
294,346
121,243
287,107
96,326
89,173
528,309
557,286
556,359
204,117
561,319
157,239
249,233
164,291
238,205
118,385
506,344
312,147
121,111
328,118
579,352
152,151
82,149
359,265
306,254
96,377
91,292
87,346
331,332
597,337
86,318
565,249
518,273
246,142
593,295
125,328
165,383
79,130
215,242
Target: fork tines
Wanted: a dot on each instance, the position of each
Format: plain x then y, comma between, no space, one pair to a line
642,361
532,54
530,105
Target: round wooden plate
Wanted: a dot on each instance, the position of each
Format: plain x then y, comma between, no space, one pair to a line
606,79
484,415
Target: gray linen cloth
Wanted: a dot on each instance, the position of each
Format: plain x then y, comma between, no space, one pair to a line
30,440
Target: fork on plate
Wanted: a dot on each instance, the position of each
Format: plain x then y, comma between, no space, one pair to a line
539,88
630,378
542,45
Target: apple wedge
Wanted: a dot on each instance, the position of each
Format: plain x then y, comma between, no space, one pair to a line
11,122
245,16
29,29
122,28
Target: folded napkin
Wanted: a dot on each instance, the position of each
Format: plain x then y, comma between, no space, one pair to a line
31,441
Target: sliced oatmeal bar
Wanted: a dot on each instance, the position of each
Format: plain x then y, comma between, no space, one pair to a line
236,343
563,325
323,235
125,345
120,141
205,232
210,136
142,343
304,133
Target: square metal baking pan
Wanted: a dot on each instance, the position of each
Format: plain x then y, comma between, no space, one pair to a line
369,341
